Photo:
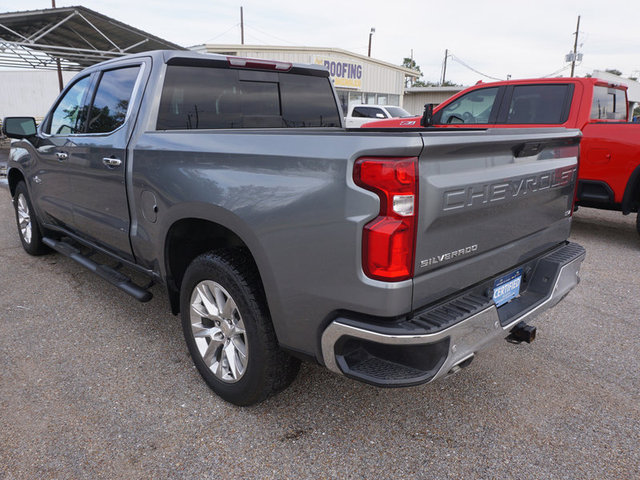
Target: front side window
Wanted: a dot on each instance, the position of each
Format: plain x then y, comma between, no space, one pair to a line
474,107
204,98
68,117
608,104
539,104
109,108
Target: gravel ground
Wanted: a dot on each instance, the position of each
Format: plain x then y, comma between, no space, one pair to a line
95,385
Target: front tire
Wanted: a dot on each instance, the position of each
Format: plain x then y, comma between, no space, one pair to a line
28,227
228,330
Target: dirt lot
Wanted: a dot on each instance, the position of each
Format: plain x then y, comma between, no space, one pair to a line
96,385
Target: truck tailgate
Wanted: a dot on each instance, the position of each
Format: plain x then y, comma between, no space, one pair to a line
489,200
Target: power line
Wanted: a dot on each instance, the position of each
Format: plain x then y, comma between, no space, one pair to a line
268,34
461,62
223,33
558,71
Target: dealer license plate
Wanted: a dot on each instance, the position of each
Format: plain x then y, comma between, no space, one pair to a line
507,288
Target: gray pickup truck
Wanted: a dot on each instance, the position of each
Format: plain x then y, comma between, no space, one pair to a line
390,257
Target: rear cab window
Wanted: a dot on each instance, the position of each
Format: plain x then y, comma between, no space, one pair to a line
609,104
203,97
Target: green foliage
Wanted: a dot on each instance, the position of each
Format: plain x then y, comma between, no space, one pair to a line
613,71
412,82
411,63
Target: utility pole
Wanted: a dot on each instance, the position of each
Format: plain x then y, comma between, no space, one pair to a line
371,35
575,48
444,68
60,82
241,27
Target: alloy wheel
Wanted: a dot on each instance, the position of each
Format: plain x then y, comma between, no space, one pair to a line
219,331
24,218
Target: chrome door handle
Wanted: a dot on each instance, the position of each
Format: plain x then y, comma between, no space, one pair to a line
62,156
112,162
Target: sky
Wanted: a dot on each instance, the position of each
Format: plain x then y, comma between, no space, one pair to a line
486,40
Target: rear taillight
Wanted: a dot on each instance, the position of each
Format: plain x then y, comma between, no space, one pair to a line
388,241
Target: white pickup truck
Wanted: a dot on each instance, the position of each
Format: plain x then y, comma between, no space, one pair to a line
360,114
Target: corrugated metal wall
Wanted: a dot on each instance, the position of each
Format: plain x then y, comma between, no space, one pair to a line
29,93
375,77
414,102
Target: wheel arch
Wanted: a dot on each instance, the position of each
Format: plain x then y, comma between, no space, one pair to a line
631,197
188,238
14,176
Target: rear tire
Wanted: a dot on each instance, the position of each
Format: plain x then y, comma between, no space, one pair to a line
228,330
28,227
638,221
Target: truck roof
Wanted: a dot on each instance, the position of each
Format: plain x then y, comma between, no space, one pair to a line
528,81
183,57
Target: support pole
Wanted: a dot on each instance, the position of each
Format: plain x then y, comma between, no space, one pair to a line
241,27
444,68
370,36
575,48
60,82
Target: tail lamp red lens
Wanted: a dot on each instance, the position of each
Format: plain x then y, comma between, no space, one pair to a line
388,241
241,62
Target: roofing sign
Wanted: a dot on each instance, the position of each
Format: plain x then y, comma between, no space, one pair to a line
344,74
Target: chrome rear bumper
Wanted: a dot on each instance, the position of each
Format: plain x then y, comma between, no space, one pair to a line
380,356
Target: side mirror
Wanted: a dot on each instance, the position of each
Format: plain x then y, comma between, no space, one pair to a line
380,115
19,127
427,116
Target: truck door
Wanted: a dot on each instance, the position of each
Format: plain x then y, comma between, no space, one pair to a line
97,170
56,143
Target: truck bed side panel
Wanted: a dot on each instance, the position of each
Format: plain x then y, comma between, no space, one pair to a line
290,196
612,154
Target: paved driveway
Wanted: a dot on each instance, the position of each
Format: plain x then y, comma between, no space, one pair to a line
96,385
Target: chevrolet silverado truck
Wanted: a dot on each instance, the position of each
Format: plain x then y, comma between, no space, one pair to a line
389,257
609,171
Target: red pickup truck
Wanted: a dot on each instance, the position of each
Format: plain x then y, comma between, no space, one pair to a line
609,171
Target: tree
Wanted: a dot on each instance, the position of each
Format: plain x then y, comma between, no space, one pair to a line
412,82
613,71
410,63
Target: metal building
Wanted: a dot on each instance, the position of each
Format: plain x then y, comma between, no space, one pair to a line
29,93
357,78
416,97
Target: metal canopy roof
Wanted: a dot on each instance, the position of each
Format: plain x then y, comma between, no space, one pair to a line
77,36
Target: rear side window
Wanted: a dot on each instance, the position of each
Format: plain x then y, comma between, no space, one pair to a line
68,117
398,112
368,112
111,102
540,104
473,107
204,98
608,104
